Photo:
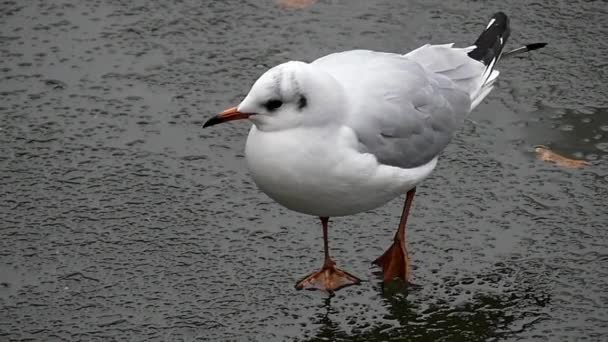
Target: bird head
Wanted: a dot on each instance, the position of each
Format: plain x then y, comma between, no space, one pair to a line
290,95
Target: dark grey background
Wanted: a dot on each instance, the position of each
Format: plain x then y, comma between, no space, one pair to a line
121,219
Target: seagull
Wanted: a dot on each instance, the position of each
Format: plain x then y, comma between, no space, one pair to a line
352,130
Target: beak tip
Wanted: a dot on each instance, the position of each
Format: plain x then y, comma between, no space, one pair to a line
227,115
213,121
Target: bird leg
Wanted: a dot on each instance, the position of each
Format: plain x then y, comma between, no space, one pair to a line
329,278
395,262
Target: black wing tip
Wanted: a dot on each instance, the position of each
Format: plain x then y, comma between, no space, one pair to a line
500,15
499,20
535,46
525,48
489,44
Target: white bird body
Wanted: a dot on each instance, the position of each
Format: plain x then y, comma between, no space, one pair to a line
380,122
353,130
320,171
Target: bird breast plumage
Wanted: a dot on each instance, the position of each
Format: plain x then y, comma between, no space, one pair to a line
319,171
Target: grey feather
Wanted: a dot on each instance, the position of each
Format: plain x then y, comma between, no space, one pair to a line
402,110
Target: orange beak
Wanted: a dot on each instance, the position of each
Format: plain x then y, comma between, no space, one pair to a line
225,116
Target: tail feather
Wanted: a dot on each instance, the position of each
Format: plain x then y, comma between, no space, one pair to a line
472,68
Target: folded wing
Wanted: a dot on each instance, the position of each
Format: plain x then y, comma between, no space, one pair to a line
405,109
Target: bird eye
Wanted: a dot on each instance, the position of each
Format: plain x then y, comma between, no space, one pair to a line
273,104
302,102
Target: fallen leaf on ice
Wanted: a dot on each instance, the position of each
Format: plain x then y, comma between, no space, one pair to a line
295,4
545,154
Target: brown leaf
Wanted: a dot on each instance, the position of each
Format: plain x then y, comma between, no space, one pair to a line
545,154
295,4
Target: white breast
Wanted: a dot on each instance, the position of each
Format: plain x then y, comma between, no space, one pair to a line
319,171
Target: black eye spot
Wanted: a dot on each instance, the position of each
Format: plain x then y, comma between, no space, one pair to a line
273,104
302,102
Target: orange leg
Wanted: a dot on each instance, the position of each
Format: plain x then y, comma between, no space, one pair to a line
395,262
329,278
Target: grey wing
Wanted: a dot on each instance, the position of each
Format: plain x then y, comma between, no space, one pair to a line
415,132
402,113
